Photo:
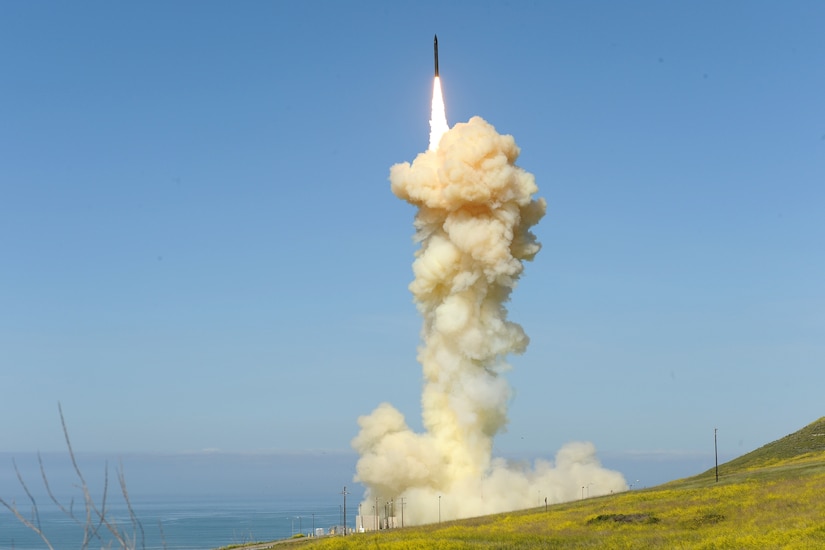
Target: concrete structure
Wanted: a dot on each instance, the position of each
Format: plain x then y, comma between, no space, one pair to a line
373,522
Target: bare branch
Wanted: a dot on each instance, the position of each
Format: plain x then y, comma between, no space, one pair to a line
96,517
22,519
35,512
62,508
87,499
136,524
71,452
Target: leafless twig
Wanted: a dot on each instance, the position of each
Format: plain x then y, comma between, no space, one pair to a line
95,518
35,524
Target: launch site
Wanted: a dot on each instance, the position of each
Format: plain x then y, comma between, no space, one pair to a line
272,279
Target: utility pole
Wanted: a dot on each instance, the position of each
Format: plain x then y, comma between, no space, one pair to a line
716,454
345,493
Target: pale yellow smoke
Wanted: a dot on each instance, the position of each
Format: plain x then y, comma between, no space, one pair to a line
475,211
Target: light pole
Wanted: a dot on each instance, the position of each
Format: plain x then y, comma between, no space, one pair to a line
345,493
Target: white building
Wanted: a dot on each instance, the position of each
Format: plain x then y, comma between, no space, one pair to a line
374,523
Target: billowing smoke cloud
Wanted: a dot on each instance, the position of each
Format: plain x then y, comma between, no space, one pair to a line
475,211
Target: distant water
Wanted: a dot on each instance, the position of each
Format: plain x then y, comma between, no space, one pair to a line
176,523
232,498
192,501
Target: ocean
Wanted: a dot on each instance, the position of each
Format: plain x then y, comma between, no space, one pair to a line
175,523
192,501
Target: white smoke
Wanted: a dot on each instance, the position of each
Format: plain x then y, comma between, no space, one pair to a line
476,208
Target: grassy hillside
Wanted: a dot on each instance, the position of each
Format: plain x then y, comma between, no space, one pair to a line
809,441
773,497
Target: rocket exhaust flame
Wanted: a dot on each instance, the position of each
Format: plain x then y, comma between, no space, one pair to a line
438,116
475,212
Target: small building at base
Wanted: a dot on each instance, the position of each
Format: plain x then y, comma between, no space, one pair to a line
375,523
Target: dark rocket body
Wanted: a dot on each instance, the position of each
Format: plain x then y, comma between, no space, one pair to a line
435,52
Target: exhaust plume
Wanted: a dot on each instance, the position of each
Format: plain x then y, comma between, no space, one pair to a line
438,115
475,211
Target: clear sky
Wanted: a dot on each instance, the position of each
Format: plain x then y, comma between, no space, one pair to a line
199,248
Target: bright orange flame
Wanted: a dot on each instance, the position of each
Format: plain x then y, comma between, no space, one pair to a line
438,116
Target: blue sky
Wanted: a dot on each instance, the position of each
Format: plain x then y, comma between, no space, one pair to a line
200,249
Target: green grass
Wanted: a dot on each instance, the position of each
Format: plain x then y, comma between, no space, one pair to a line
809,441
773,497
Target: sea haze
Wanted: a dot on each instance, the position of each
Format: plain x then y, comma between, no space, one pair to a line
281,475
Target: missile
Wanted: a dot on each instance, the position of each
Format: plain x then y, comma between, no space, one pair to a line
435,52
